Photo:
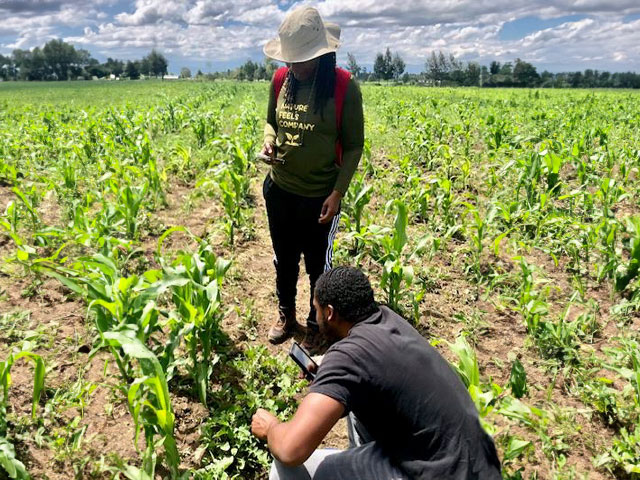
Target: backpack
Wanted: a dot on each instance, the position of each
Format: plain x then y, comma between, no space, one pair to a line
342,82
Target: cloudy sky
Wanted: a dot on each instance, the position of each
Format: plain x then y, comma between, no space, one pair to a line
557,35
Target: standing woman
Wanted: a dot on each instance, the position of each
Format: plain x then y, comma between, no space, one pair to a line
313,137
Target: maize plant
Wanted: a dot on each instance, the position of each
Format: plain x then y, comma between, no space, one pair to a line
195,287
150,405
8,461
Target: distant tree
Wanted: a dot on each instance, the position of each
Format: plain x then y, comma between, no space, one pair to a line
84,59
378,66
32,65
114,67
270,67
388,65
96,69
199,73
484,75
132,70
261,73
590,78
383,66
185,72
456,70
7,70
352,65
397,66
145,66
525,74
494,68
155,64
248,71
472,74
60,57
506,69
575,79
436,67
546,79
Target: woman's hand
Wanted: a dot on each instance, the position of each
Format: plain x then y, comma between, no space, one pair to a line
269,150
330,207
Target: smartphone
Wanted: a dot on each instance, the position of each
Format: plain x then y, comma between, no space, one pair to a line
267,158
302,358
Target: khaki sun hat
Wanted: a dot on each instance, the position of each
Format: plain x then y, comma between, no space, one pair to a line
303,36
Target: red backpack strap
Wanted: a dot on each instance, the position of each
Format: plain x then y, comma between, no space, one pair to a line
278,80
342,83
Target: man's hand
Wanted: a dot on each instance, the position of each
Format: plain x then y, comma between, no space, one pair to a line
312,367
262,422
330,207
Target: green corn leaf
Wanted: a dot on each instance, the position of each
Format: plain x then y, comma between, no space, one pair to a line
515,448
14,467
400,228
71,284
467,366
38,378
171,231
518,380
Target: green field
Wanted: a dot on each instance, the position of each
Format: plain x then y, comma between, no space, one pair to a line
136,284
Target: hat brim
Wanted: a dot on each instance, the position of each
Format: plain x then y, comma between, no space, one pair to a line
272,48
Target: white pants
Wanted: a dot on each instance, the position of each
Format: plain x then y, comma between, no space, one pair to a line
364,460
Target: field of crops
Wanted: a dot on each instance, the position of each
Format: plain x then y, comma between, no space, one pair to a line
136,284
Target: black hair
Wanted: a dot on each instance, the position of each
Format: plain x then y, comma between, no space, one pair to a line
325,83
348,291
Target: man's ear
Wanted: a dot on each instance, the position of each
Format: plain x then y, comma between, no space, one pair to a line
331,313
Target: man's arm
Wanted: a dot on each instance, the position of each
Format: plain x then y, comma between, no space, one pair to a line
294,441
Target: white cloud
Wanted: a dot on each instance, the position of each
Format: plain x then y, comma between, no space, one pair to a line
236,30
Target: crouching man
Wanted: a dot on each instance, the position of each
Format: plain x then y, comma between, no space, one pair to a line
415,417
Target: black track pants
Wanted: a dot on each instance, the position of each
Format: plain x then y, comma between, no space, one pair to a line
294,228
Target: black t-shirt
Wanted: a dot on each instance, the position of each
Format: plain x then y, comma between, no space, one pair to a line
409,399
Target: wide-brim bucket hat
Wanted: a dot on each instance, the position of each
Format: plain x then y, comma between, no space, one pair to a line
303,36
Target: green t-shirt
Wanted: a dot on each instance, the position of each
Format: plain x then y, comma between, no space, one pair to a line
306,140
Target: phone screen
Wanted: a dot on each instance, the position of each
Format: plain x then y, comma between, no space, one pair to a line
303,360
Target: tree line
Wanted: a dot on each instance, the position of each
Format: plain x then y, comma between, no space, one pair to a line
446,70
58,60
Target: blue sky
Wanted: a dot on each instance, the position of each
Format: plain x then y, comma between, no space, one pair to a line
219,34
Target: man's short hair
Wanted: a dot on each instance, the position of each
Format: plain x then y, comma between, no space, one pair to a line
348,291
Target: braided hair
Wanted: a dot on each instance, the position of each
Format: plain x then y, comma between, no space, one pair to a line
325,83
348,290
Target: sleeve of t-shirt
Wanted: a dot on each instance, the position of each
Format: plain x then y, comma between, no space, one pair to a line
352,136
338,377
270,128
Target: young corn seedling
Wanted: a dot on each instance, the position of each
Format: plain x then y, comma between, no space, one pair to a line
231,187
8,461
129,205
198,300
353,206
518,380
467,368
623,278
150,406
387,247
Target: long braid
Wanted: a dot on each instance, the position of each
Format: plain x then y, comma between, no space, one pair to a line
325,83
